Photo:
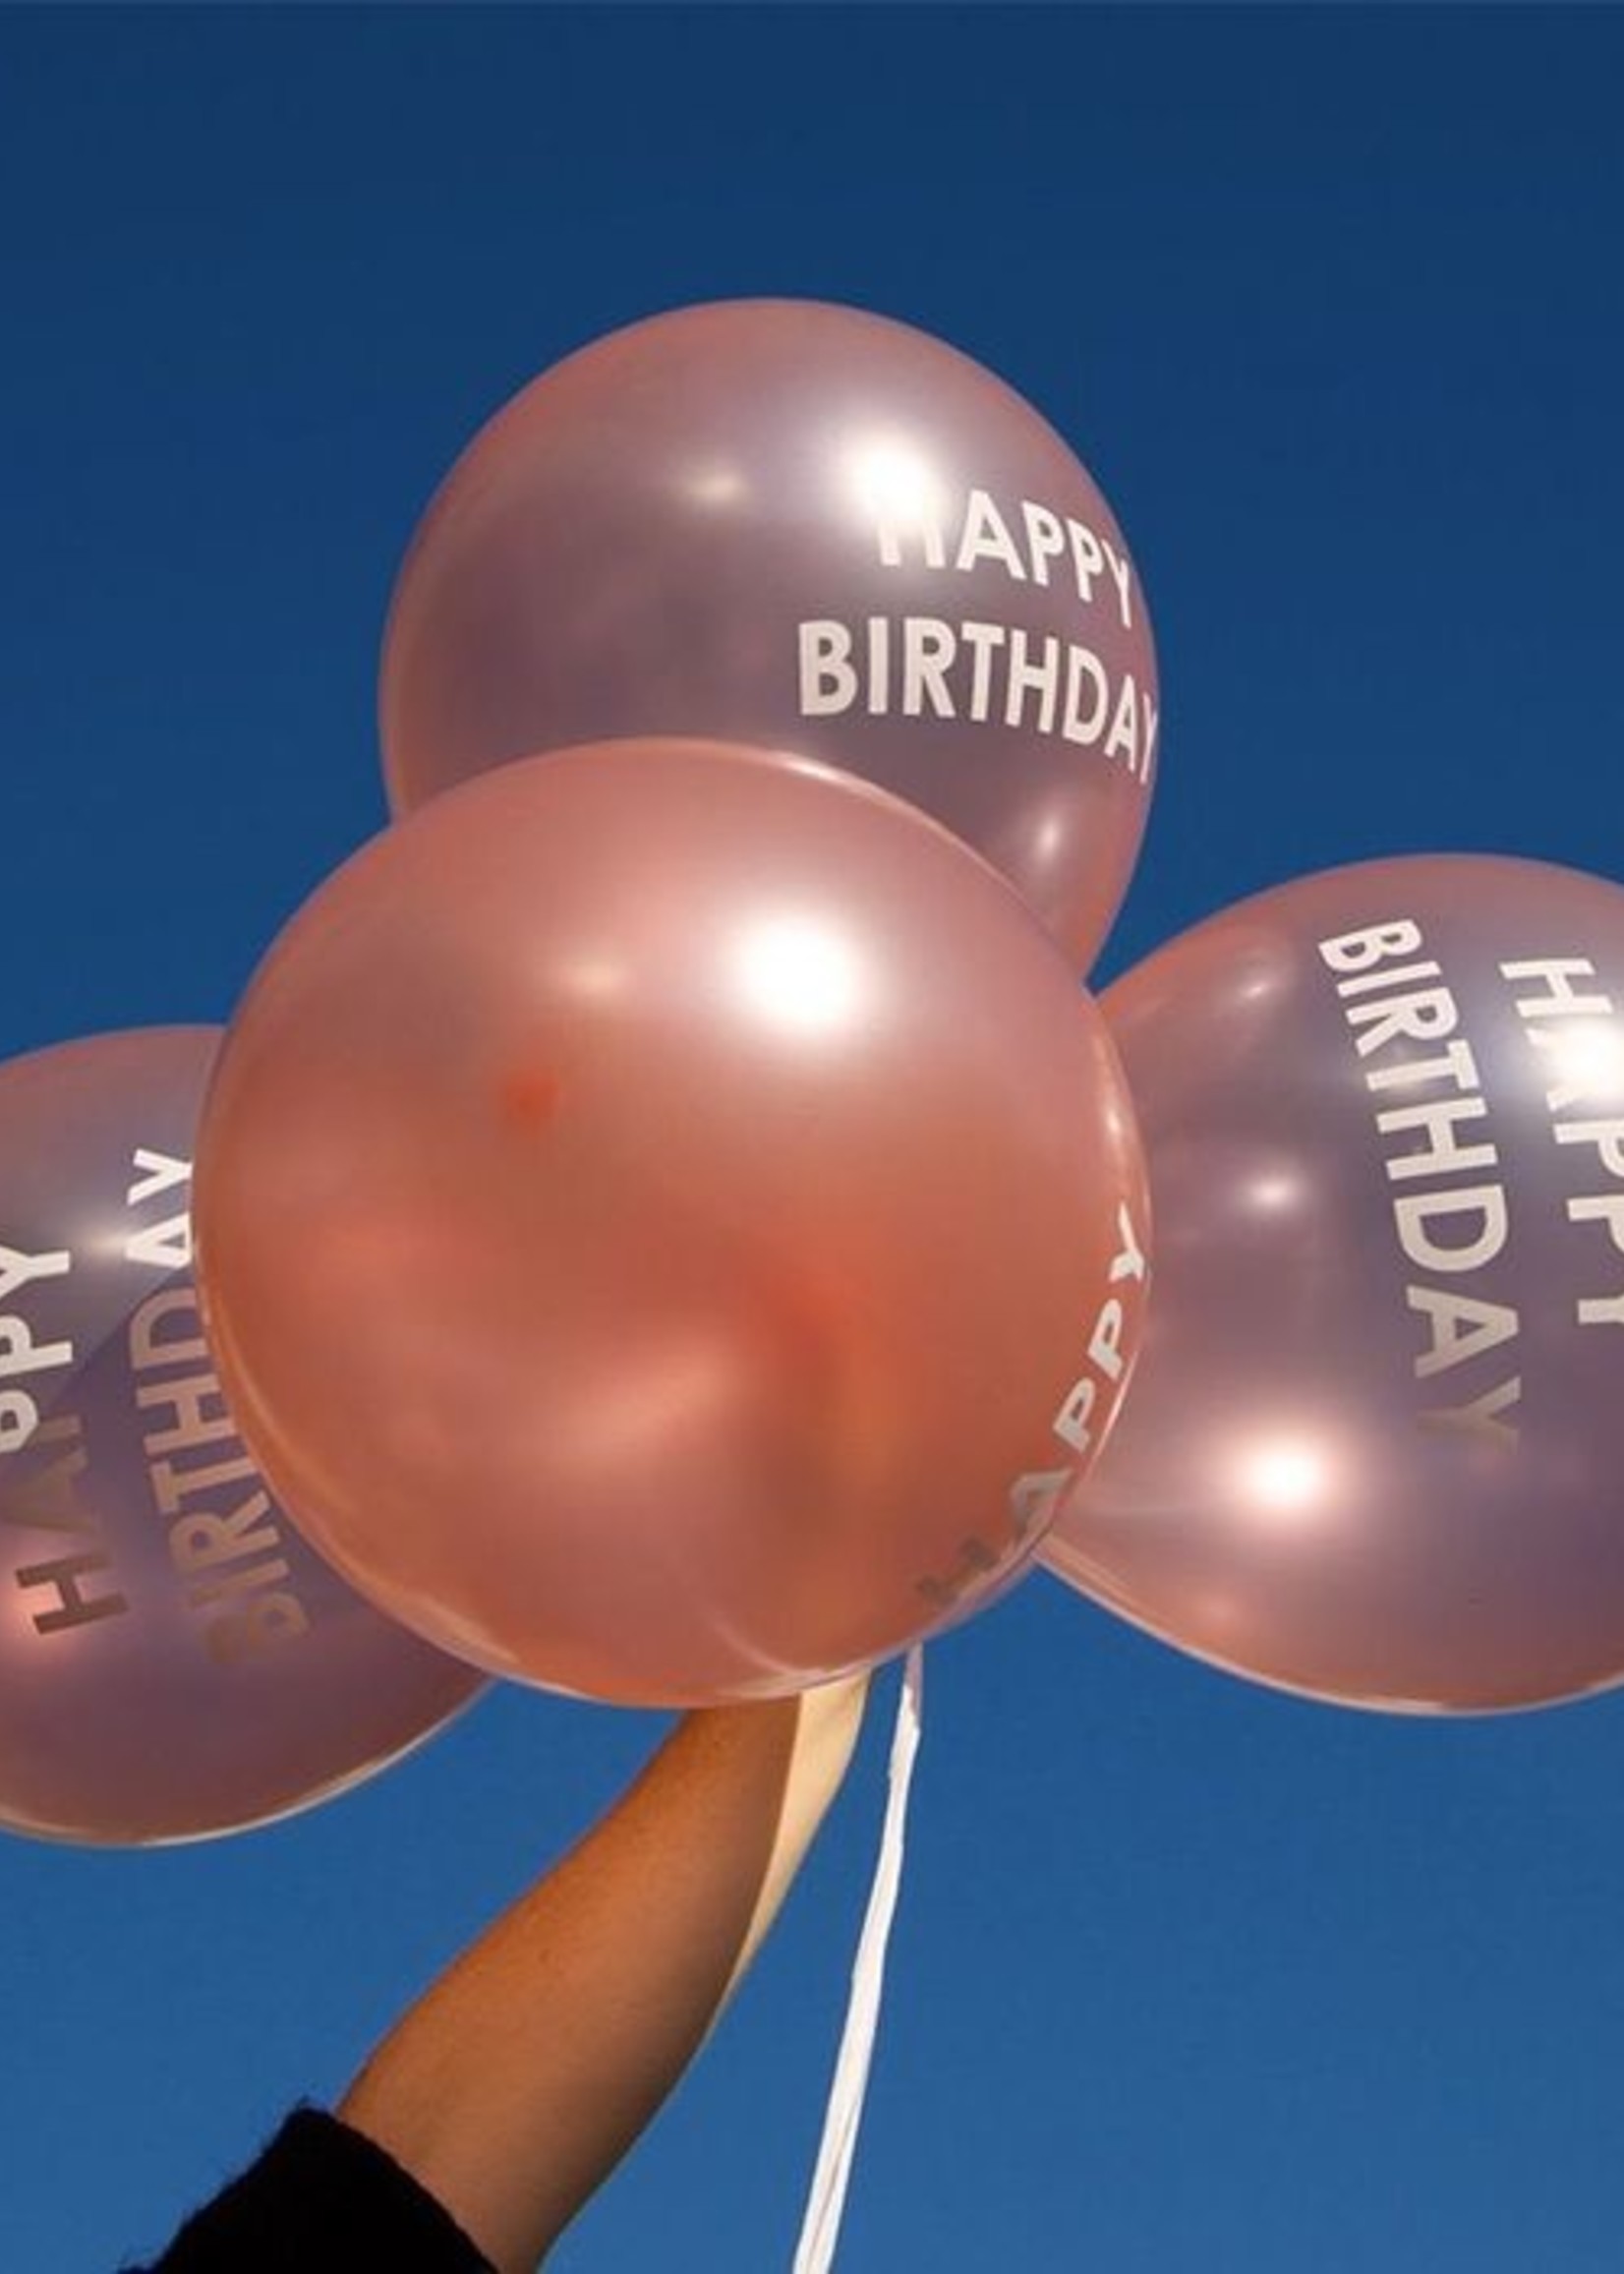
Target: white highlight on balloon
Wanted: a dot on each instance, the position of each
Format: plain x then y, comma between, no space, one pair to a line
717,485
801,975
899,493
1282,1477
1584,1059
1050,840
1274,1192
681,1385
595,978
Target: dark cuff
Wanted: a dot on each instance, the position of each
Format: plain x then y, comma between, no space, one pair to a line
321,2200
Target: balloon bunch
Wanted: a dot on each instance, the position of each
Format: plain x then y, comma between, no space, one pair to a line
669,1224
672,1226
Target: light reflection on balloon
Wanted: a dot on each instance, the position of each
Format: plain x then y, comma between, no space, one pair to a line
717,485
1585,1057
1274,1192
1284,1478
802,976
894,487
595,977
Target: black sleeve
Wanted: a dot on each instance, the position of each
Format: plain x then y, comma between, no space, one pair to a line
321,2200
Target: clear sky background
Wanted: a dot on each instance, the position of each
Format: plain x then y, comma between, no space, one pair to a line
1332,302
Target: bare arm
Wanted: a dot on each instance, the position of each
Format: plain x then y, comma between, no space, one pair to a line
517,2083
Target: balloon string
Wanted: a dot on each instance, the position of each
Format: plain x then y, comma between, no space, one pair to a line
821,2227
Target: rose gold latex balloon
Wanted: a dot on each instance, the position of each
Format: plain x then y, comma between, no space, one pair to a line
656,1206
796,525
174,1661
1375,1449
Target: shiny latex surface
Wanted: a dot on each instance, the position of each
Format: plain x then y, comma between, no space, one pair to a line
653,1205
174,1659
1374,1448
791,524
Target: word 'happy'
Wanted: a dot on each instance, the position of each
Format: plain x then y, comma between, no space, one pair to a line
1035,1495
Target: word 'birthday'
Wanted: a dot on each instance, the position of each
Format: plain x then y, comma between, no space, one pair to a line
918,667
1450,1214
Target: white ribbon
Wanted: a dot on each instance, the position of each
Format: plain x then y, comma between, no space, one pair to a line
821,2227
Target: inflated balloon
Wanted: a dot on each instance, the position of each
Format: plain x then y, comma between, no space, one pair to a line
797,525
174,1661
1374,1452
672,1222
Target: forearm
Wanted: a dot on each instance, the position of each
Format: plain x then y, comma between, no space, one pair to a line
518,2081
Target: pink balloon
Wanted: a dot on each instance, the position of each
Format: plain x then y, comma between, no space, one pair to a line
1374,1452
174,1661
656,1206
785,523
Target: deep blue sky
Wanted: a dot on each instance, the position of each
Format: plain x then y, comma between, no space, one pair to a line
1330,300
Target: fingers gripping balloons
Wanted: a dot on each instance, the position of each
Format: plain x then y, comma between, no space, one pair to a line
173,1659
1376,1446
660,1207
796,525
